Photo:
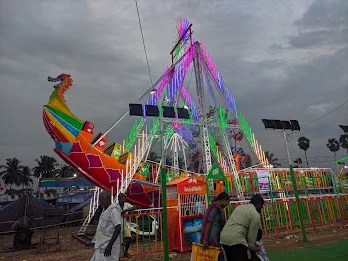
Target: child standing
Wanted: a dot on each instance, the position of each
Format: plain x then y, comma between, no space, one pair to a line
258,253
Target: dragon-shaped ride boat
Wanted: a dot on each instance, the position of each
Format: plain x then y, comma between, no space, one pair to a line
73,139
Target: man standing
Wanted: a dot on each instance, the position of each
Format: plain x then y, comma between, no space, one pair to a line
107,238
240,231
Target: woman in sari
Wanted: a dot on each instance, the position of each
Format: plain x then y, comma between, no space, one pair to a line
214,221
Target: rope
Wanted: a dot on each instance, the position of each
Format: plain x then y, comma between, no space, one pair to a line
142,36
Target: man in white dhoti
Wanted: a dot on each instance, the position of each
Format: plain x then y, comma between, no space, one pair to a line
108,235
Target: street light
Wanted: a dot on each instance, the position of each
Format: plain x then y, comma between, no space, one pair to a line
166,112
153,91
289,126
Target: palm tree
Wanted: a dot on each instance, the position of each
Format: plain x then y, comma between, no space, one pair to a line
46,167
12,171
25,177
65,172
334,146
272,159
344,141
304,143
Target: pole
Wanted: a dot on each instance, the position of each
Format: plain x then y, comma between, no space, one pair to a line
164,197
293,179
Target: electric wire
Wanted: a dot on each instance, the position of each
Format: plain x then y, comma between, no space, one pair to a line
302,125
142,37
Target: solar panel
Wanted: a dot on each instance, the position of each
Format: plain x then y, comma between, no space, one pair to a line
277,124
344,128
168,112
295,125
268,124
286,125
183,113
151,111
136,109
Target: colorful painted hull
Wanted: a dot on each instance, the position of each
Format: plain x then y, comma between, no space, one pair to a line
73,138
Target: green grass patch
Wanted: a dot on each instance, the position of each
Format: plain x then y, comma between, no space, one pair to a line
336,251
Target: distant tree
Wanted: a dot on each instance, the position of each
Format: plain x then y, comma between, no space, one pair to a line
181,163
272,159
304,144
65,172
46,167
25,177
333,145
153,157
169,161
11,172
344,141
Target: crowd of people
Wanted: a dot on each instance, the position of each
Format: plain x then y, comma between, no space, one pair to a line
239,238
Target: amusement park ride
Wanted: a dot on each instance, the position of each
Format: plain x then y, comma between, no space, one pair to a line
213,134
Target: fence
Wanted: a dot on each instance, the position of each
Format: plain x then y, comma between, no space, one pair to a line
278,216
282,215
278,181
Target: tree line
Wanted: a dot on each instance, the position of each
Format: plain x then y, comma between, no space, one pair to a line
303,143
14,173
333,145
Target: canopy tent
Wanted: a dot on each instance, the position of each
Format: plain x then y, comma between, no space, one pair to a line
34,208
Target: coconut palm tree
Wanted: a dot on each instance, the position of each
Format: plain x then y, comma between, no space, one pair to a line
25,177
334,146
65,172
304,144
344,141
46,167
12,171
272,159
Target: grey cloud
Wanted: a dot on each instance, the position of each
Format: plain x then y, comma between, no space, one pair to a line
324,23
326,13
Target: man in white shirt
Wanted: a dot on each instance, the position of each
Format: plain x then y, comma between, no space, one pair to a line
107,238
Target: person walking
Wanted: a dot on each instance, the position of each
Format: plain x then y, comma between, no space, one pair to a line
108,235
240,231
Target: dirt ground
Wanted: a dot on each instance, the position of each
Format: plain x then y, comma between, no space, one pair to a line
71,249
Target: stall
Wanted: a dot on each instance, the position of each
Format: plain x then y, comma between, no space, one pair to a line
216,182
187,201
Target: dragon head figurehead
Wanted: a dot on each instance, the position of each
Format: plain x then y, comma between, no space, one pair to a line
60,88
59,121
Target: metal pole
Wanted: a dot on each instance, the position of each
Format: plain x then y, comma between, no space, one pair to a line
164,196
293,179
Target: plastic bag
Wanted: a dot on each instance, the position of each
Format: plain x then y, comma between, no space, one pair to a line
201,254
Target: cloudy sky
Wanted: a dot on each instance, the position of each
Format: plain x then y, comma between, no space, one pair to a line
282,59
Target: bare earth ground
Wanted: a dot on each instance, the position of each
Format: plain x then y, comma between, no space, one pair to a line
73,250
